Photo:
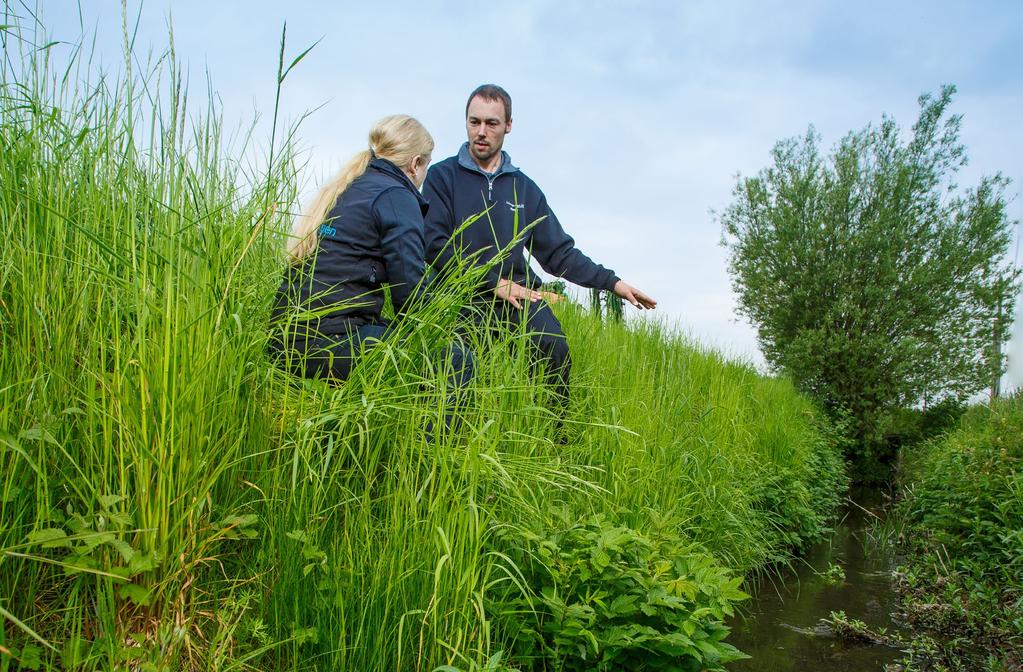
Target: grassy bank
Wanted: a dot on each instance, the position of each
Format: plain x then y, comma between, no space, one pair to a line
963,516
170,500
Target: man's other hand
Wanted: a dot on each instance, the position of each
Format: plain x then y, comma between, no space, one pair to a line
514,293
634,296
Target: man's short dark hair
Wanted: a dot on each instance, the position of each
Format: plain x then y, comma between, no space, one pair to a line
491,92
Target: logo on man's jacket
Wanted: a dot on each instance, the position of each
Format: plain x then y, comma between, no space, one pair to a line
515,206
326,230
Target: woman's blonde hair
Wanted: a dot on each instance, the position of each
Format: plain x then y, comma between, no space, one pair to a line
398,139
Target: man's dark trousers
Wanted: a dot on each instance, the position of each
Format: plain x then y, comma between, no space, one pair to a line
547,340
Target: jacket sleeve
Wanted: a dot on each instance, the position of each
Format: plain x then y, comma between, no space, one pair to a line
400,219
557,253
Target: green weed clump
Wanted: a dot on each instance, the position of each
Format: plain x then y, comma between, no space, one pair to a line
170,500
611,598
963,513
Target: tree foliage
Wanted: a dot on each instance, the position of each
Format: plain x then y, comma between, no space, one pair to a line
870,276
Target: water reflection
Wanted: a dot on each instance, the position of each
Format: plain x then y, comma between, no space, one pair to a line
779,625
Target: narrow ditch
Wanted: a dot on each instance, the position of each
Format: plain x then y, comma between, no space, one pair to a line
781,626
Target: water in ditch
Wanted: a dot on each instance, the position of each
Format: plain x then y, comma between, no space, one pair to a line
780,626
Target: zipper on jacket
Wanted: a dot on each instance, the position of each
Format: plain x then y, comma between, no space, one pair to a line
490,186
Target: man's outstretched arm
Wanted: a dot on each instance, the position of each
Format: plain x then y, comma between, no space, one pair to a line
557,253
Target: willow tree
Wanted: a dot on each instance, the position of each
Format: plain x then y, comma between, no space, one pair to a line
871,277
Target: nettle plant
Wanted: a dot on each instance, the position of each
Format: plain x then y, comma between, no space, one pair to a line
606,597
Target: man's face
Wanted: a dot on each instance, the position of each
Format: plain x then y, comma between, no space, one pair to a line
486,128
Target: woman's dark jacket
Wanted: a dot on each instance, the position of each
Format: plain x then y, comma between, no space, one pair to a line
373,235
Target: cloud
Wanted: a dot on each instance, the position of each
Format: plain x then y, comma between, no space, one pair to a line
634,118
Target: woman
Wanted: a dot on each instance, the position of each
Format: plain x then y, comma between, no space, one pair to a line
364,228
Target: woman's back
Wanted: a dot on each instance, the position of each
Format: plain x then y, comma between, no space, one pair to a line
363,229
372,235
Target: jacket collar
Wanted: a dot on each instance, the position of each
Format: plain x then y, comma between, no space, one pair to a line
465,161
385,166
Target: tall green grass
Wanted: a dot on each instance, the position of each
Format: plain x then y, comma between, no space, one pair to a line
171,500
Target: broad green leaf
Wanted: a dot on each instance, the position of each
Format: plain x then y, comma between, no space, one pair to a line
121,520
240,521
108,501
683,588
124,548
49,537
37,434
143,562
98,538
623,605
76,564
30,657
10,494
135,593
298,535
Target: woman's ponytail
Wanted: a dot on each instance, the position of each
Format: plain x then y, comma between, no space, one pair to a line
398,139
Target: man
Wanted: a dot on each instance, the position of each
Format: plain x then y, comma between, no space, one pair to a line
482,179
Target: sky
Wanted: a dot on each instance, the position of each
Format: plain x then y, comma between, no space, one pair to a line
634,117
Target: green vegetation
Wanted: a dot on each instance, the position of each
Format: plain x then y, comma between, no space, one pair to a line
612,598
169,500
963,517
871,278
834,575
856,631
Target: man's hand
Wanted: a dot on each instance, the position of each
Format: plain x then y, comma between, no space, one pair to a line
514,293
634,296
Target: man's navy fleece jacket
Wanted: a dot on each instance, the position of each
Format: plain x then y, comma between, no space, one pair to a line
458,189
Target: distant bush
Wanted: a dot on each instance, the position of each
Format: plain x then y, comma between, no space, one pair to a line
907,427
